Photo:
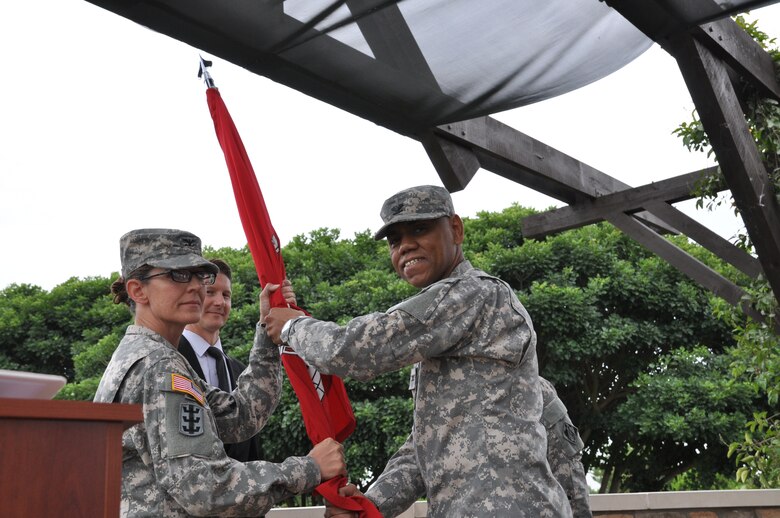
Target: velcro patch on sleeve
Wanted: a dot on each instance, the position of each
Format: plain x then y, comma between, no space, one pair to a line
422,305
191,419
185,385
189,429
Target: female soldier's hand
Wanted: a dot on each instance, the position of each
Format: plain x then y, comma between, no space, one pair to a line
329,456
265,296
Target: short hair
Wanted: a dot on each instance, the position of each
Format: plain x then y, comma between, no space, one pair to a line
224,268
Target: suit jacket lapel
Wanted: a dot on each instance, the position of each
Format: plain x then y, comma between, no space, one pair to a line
186,350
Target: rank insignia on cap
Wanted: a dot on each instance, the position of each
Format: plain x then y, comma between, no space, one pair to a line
185,385
190,419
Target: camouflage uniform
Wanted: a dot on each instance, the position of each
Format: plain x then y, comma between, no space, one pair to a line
174,463
477,447
564,451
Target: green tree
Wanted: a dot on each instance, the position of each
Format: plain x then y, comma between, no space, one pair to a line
685,404
42,331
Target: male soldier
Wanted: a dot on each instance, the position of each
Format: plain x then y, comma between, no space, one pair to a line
477,446
201,346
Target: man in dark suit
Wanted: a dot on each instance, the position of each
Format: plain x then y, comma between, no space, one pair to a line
201,346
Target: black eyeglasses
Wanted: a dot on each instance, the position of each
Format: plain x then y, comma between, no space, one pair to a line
184,276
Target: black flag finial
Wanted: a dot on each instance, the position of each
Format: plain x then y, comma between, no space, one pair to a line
204,73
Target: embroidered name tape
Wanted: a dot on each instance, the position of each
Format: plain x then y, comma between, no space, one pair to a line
185,385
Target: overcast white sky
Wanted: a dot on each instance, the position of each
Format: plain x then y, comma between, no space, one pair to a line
105,128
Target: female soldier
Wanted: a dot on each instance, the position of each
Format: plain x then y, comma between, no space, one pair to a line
174,463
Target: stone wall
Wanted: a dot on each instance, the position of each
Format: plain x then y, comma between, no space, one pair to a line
763,503
689,504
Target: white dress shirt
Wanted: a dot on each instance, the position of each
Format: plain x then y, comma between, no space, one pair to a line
207,363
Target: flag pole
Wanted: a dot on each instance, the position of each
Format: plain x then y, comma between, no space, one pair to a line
323,398
204,72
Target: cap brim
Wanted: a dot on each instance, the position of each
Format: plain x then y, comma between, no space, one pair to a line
403,218
186,262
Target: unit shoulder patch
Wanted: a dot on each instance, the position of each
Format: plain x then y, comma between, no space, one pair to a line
191,417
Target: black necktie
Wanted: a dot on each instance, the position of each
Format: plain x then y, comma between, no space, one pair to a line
223,382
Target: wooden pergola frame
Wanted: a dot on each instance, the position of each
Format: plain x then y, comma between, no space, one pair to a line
712,51
710,56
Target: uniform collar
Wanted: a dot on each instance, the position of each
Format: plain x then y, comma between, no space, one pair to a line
462,268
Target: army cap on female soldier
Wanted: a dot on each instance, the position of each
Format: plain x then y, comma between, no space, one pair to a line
162,248
178,252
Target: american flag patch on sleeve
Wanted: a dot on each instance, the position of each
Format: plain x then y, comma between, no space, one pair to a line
185,385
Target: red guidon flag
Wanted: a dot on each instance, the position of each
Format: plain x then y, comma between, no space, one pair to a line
324,403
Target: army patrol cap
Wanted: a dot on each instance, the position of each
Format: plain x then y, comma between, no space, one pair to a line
162,248
414,204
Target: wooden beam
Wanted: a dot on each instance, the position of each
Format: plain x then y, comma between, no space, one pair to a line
627,201
741,52
455,164
713,242
517,156
693,268
564,176
654,198
392,42
523,159
739,159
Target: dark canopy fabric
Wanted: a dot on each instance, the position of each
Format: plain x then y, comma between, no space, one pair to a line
408,65
463,58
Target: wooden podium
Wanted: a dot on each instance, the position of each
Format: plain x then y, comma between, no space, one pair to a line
62,458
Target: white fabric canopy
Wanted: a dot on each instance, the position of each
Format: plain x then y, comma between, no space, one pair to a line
492,55
408,65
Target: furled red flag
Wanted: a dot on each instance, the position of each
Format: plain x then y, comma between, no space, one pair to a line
324,403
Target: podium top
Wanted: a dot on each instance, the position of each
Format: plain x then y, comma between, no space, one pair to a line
29,385
70,410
